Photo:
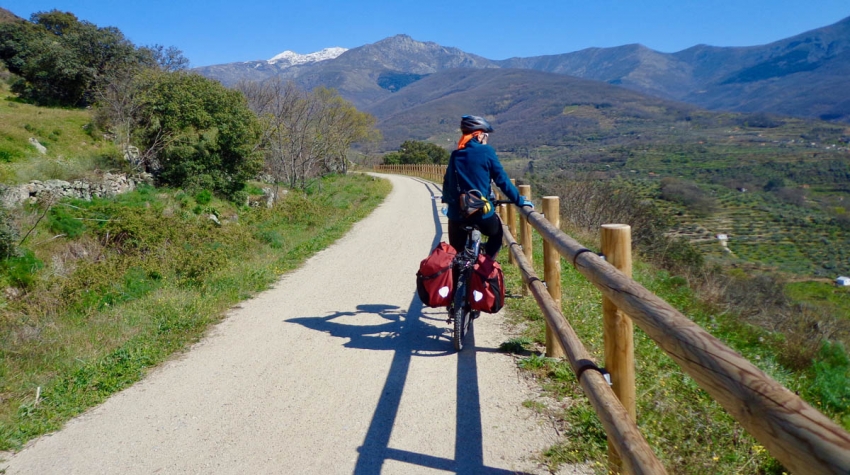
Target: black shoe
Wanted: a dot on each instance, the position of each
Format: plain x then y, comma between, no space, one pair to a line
475,314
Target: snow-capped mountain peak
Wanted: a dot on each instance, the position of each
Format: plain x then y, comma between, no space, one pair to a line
290,58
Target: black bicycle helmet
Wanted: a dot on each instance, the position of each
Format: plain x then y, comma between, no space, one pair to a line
471,123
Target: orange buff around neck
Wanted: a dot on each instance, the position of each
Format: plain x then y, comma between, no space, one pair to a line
466,138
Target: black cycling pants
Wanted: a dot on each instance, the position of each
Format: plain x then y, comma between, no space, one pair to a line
490,227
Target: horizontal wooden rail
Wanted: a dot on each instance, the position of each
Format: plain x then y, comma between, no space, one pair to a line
798,435
621,429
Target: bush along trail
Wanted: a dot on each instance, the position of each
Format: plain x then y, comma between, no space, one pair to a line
105,289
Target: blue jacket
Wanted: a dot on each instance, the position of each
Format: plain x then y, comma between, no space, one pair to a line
472,168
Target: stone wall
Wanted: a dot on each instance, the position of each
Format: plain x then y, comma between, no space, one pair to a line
109,185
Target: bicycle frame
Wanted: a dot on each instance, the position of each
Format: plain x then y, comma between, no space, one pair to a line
460,315
459,312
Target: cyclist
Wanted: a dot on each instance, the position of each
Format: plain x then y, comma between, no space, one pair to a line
471,168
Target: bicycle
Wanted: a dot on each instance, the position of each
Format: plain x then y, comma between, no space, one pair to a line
460,313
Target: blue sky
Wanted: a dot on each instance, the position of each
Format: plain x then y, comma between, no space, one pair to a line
222,31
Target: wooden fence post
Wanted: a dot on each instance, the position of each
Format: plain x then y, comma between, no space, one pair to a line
525,231
512,226
552,273
501,210
503,213
619,330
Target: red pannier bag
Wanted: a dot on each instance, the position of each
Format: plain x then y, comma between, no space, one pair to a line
434,282
486,285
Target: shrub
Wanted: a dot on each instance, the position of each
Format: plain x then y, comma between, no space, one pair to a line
588,204
8,236
272,237
203,197
21,269
673,254
10,155
832,377
413,151
240,197
689,195
213,134
61,220
794,196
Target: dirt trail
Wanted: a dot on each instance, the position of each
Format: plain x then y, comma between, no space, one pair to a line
337,369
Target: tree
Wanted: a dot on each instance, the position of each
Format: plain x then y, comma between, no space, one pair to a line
305,134
343,125
117,106
688,194
118,111
415,152
775,184
59,59
202,135
169,59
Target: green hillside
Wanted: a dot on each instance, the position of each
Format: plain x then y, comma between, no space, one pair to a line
779,193
73,148
792,216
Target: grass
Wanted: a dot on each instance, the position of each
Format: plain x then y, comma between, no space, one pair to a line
822,293
689,431
144,278
73,147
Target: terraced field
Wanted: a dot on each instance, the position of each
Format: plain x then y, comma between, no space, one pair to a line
766,232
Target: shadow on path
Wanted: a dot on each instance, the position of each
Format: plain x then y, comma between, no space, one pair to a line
407,334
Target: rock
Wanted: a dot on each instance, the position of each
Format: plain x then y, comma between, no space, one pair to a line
38,146
214,219
57,184
109,185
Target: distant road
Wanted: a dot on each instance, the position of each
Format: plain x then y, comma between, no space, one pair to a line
336,370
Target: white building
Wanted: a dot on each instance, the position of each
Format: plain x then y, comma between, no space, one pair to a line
843,281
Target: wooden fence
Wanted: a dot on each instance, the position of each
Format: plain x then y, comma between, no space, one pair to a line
799,436
428,172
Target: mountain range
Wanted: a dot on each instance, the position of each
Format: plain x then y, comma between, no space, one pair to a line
807,75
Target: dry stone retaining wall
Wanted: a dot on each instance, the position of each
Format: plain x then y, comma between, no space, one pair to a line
109,185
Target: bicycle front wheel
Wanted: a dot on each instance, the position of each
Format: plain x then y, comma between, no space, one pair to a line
462,319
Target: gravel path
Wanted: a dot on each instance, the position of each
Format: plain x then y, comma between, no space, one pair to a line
337,369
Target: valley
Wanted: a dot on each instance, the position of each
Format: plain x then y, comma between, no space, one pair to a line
751,144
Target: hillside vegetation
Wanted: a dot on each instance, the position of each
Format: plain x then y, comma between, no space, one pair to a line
246,185
109,288
95,292
768,182
689,431
73,148
775,186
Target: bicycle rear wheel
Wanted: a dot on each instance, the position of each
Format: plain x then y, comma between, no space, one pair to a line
461,317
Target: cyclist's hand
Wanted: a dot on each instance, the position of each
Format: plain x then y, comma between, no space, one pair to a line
523,202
